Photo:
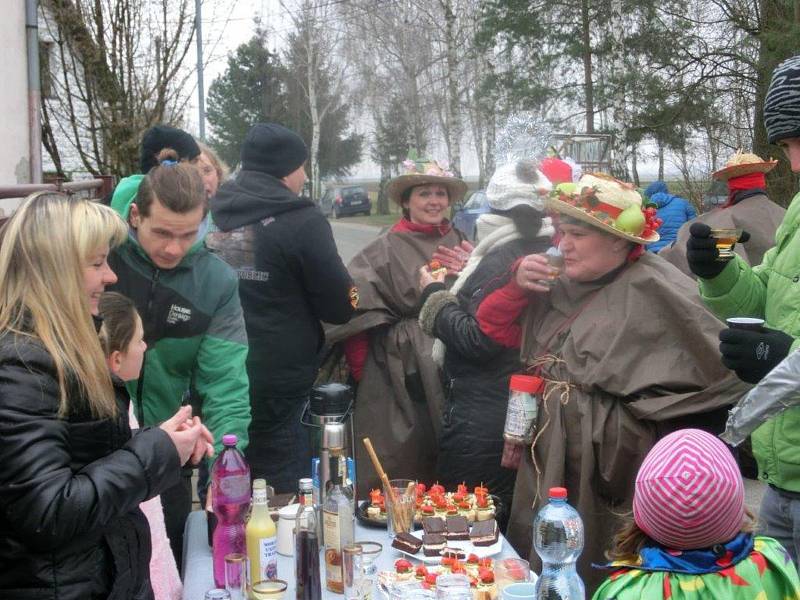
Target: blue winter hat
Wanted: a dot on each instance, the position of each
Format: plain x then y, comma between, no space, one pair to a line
782,104
657,187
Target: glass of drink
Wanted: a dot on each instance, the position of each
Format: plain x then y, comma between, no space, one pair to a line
356,585
725,239
236,576
555,260
750,323
511,570
401,499
272,589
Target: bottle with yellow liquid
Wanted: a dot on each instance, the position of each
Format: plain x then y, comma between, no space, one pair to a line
261,536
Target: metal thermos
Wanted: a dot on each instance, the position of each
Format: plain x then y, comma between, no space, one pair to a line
329,403
333,445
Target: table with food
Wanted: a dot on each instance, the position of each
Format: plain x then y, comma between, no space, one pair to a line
451,533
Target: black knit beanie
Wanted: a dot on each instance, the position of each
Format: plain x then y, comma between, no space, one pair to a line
273,149
782,105
159,137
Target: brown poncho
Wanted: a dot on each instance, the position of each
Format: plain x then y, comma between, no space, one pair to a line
400,396
758,215
639,359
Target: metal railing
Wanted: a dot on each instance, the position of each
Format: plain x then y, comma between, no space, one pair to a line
96,188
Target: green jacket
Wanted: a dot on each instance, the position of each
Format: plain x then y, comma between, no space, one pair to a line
770,291
194,330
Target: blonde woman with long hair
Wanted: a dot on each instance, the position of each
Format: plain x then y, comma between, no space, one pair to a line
72,476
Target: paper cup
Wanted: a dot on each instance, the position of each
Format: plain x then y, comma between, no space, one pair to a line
749,323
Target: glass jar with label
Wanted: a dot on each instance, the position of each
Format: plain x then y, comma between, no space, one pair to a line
521,415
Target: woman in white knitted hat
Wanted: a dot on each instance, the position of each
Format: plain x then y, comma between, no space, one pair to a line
627,352
477,367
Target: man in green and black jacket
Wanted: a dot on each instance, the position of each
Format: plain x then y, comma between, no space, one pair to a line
188,299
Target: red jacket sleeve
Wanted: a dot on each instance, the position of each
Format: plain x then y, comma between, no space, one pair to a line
355,352
498,314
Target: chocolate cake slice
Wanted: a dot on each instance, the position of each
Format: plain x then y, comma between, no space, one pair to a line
457,528
433,544
433,525
484,533
453,553
407,543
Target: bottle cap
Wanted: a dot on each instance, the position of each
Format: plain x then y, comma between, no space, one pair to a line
333,435
260,484
229,439
526,383
558,492
306,484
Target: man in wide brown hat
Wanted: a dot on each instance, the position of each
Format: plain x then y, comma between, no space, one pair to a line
748,208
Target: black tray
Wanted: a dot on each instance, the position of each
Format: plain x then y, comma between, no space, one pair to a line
361,515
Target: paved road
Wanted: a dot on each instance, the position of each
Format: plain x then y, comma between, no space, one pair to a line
352,237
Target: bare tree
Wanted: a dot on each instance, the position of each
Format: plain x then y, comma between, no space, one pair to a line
120,70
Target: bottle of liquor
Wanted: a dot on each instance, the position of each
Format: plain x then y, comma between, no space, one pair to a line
306,556
337,521
261,535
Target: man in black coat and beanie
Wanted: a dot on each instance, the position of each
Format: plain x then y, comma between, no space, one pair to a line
290,278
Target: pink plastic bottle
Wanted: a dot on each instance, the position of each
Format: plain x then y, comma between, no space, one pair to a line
230,499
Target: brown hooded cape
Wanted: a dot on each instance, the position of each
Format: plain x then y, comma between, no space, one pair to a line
639,359
758,215
400,396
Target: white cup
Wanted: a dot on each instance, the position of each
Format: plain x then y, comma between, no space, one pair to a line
286,518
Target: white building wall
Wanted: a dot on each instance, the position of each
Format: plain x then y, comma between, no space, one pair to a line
14,166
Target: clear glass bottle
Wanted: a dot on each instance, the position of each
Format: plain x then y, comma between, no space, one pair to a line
262,537
337,522
308,584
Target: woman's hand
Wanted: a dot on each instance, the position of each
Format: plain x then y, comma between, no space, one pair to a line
454,259
426,277
532,271
192,439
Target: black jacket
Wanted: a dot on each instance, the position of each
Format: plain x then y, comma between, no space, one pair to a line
290,278
478,370
70,526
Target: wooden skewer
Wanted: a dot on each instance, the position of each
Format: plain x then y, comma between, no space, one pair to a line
398,520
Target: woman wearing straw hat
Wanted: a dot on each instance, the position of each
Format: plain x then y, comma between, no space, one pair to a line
476,366
748,208
626,349
691,535
400,397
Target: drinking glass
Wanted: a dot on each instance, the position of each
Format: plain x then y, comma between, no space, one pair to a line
511,570
400,516
356,585
725,239
519,591
370,551
236,575
272,589
453,587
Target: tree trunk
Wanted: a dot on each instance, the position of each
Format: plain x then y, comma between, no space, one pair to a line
634,165
586,40
660,161
383,197
311,77
453,104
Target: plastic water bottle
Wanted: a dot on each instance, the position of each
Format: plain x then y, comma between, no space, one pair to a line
230,499
558,540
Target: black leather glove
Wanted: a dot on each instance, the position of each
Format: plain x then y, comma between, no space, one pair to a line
702,253
753,354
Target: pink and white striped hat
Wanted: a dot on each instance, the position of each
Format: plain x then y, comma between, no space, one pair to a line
689,492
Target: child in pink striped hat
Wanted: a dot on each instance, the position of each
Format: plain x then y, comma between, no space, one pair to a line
692,535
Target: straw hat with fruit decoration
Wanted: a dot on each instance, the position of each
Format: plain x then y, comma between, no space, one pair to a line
744,164
608,204
426,172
